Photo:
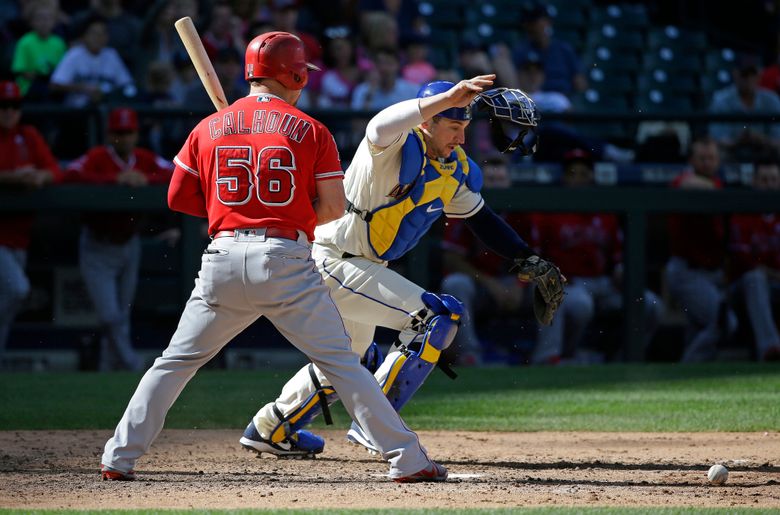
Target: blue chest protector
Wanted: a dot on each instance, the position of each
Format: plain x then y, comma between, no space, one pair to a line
428,186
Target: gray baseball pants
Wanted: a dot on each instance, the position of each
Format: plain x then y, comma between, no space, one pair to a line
242,278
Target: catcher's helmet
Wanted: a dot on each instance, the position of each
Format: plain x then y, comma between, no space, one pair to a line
513,119
280,56
440,86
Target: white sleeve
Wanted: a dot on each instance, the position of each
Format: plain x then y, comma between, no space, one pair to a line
390,123
122,77
63,73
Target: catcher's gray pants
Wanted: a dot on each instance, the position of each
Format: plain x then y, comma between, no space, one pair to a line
242,278
14,288
110,273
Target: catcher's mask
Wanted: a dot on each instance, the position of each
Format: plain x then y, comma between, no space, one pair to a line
513,119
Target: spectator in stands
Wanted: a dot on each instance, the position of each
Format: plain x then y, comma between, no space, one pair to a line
383,86
341,73
473,60
109,247
91,70
37,53
562,66
694,273
223,31
123,28
159,40
378,30
229,67
417,69
478,277
589,248
755,260
25,162
403,12
745,96
284,17
559,137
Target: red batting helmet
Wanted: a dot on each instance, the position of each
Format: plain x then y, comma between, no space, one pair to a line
280,56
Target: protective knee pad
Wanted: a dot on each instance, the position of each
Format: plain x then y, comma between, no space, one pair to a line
320,400
406,369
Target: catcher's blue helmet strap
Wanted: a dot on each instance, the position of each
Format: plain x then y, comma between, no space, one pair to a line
440,86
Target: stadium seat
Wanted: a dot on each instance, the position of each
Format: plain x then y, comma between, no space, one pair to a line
679,81
610,82
495,13
442,13
612,59
486,34
593,101
628,16
568,18
721,59
667,59
659,101
676,39
611,36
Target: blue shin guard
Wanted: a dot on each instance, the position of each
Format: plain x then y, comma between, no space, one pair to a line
406,369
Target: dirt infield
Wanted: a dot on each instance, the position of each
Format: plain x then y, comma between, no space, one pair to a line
208,469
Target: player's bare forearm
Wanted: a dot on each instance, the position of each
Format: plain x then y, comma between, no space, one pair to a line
331,201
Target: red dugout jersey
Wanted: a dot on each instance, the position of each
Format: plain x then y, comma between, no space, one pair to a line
102,165
698,238
754,241
22,146
254,164
581,244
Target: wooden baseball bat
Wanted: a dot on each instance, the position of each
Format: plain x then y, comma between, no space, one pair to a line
189,36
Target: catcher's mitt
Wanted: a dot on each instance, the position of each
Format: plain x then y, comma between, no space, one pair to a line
548,281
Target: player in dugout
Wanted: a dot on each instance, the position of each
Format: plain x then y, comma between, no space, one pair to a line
25,162
408,170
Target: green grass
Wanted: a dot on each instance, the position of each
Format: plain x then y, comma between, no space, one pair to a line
448,511
716,397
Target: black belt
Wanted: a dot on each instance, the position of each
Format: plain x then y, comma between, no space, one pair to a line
347,255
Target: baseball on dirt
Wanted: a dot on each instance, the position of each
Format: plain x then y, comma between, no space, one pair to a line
718,474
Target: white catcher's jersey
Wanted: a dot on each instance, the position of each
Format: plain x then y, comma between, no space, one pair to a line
405,192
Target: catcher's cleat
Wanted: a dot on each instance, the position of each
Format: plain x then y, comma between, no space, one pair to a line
356,436
109,474
431,473
300,444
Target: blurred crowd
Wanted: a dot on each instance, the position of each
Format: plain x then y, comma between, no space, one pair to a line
373,53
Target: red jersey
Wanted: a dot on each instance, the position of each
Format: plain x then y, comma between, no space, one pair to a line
20,147
581,244
459,239
102,165
254,164
697,238
754,241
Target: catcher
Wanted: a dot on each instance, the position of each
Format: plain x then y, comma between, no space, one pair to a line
408,170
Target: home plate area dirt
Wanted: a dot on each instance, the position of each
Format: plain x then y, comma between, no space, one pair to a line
208,469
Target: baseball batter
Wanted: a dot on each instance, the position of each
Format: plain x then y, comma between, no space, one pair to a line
408,171
264,174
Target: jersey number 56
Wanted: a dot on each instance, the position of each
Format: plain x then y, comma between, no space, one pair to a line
270,176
